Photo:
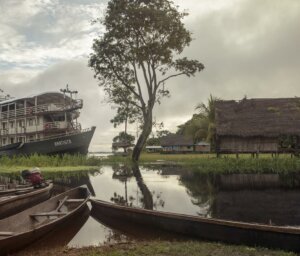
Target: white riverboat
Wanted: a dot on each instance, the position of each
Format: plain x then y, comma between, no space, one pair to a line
44,123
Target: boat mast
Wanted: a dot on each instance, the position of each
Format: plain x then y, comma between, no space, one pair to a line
65,91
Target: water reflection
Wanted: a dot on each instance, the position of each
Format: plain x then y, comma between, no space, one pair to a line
270,199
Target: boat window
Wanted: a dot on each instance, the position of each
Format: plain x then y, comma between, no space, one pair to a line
21,123
30,122
59,118
4,125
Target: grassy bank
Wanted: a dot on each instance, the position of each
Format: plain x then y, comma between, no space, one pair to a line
163,248
12,169
207,163
49,163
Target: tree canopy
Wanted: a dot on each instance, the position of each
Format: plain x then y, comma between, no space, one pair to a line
138,54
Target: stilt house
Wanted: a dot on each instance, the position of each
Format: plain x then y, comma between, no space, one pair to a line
258,125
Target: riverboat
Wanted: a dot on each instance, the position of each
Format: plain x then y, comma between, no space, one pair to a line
45,123
235,232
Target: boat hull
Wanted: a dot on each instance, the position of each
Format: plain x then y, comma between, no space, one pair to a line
28,231
10,205
77,143
204,228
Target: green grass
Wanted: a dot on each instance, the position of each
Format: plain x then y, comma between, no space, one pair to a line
206,163
13,169
159,248
209,163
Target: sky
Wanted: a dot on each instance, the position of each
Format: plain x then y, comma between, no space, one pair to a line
248,47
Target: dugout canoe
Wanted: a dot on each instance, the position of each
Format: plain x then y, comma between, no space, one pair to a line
252,234
23,199
29,225
16,191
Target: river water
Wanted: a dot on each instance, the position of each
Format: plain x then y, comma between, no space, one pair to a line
270,199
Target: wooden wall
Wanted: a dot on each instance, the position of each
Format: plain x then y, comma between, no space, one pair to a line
247,144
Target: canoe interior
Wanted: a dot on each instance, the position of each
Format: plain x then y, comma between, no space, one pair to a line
198,227
15,203
23,222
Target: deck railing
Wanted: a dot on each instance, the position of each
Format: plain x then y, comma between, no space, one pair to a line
39,109
46,127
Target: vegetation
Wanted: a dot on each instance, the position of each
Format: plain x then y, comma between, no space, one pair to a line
135,57
202,125
126,140
155,140
204,163
209,163
49,163
158,248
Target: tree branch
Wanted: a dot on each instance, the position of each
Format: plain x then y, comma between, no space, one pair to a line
120,78
162,81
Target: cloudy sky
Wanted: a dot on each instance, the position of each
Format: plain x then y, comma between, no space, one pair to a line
249,47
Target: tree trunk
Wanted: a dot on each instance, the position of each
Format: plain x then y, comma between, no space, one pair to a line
147,128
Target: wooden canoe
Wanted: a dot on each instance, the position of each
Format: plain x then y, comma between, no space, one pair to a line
16,191
279,237
13,204
29,225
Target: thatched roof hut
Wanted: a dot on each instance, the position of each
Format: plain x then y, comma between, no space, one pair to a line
263,120
176,140
175,143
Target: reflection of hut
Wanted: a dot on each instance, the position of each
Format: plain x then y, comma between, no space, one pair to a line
260,206
174,143
258,125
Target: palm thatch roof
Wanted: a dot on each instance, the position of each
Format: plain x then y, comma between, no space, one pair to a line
258,117
176,140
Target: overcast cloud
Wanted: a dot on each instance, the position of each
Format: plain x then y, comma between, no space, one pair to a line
249,47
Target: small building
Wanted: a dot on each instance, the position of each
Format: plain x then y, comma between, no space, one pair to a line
202,147
174,143
153,149
258,125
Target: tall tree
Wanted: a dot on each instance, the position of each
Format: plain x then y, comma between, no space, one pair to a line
136,56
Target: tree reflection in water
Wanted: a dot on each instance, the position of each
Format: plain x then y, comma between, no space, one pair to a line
149,200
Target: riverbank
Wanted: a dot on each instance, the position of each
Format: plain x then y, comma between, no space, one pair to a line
200,163
209,163
159,248
49,163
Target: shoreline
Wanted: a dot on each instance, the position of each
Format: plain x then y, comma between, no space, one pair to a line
159,248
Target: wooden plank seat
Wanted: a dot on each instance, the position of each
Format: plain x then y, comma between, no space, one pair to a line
6,233
48,214
75,200
61,203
